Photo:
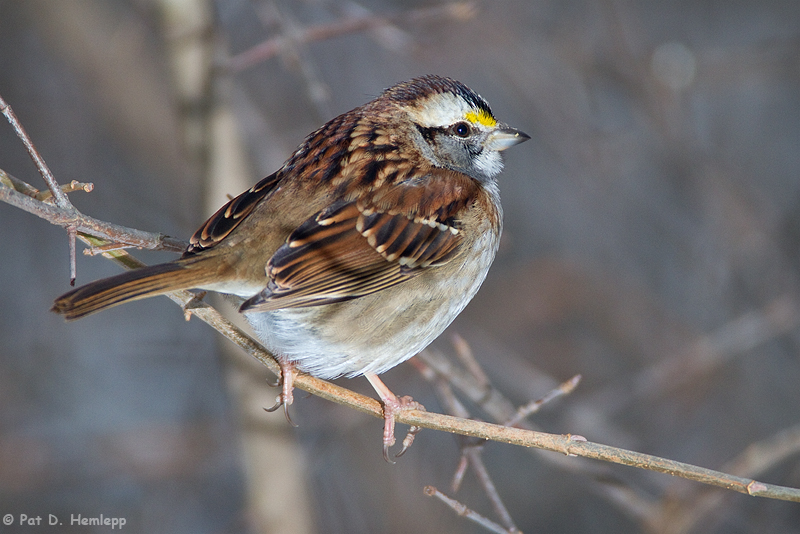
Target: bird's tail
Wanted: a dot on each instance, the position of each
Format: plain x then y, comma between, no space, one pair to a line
131,285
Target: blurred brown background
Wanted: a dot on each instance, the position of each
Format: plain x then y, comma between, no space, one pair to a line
651,245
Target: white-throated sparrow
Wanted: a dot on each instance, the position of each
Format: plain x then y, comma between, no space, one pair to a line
362,248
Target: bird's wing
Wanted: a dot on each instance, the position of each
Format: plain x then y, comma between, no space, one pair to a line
354,248
229,216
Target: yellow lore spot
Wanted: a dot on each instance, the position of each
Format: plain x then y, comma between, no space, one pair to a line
480,117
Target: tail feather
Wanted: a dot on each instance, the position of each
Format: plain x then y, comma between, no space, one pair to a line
130,285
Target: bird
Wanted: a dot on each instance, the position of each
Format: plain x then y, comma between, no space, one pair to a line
361,249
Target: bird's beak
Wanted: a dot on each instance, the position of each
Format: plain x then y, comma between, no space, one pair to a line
504,137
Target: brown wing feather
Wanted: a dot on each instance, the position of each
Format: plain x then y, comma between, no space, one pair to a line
229,216
352,249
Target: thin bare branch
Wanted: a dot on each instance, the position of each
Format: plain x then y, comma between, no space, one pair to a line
468,513
114,233
273,47
467,358
534,406
458,476
709,352
754,460
45,196
765,454
482,394
476,461
72,232
60,196
94,251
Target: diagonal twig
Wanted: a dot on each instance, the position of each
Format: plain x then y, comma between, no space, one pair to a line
61,199
466,512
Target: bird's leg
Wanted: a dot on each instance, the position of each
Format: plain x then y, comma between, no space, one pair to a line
286,398
392,404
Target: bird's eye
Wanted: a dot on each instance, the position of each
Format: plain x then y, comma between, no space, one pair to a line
461,129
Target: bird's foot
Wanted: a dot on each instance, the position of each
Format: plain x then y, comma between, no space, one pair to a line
286,397
392,405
